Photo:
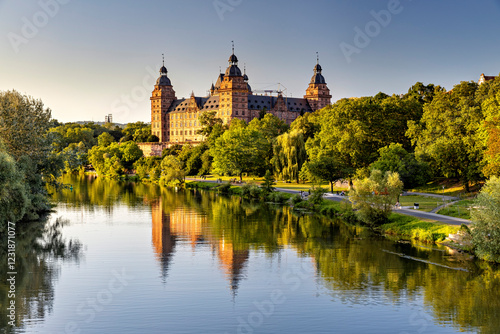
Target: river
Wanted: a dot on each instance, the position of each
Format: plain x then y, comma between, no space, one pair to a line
122,257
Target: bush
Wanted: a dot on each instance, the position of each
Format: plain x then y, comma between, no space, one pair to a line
296,199
486,222
316,196
224,188
250,190
277,197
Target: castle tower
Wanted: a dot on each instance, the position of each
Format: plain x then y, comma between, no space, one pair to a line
318,94
233,93
161,99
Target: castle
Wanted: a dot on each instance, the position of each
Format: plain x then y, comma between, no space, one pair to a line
175,121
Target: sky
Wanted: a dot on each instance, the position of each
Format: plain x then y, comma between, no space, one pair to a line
86,58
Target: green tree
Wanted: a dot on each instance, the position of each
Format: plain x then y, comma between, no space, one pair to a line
447,133
353,130
374,197
105,139
327,168
489,131
24,123
13,192
394,158
239,151
308,124
268,185
130,153
486,221
423,93
208,120
289,154
172,170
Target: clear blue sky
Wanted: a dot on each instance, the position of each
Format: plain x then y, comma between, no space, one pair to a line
86,59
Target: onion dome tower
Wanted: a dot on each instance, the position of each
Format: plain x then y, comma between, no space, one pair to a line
318,94
162,97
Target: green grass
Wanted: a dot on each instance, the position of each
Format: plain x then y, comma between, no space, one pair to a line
426,203
461,209
413,228
451,187
279,184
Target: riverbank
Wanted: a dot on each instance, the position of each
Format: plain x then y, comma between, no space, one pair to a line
400,225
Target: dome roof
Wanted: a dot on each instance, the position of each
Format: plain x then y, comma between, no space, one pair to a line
317,68
245,77
163,80
233,71
249,88
233,59
163,69
317,78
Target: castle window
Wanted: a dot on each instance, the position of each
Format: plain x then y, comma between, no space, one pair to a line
236,112
243,112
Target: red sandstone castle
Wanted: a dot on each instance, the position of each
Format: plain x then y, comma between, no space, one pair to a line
176,120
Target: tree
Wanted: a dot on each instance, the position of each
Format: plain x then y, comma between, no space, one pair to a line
131,152
448,132
308,124
268,185
13,192
105,139
423,93
172,170
289,154
24,123
374,197
486,221
208,120
394,158
327,168
353,130
239,151
269,127
490,133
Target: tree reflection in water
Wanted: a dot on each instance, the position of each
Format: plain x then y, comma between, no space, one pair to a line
40,246
352,263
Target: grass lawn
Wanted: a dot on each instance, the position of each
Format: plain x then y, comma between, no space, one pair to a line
425,203
414,228
451,188
291,186
461,209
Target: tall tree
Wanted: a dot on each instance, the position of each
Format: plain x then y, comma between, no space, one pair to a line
240,150
24,123
447,133
289,154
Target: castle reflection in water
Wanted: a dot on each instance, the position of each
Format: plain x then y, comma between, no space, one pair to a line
186,224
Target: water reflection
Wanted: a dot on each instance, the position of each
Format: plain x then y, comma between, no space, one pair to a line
353,265
186,223
40,248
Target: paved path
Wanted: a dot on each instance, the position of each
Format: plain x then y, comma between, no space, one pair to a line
443,197
405,210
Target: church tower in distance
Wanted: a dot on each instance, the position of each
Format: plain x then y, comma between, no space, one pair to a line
318,94
161,99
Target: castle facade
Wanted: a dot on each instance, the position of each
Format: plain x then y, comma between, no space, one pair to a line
175,121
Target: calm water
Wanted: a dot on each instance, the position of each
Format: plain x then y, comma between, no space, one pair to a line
133,258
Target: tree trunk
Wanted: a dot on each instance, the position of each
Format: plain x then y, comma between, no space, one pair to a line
331,187
241,177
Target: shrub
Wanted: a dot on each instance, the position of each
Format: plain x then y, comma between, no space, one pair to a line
486,222
296,199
